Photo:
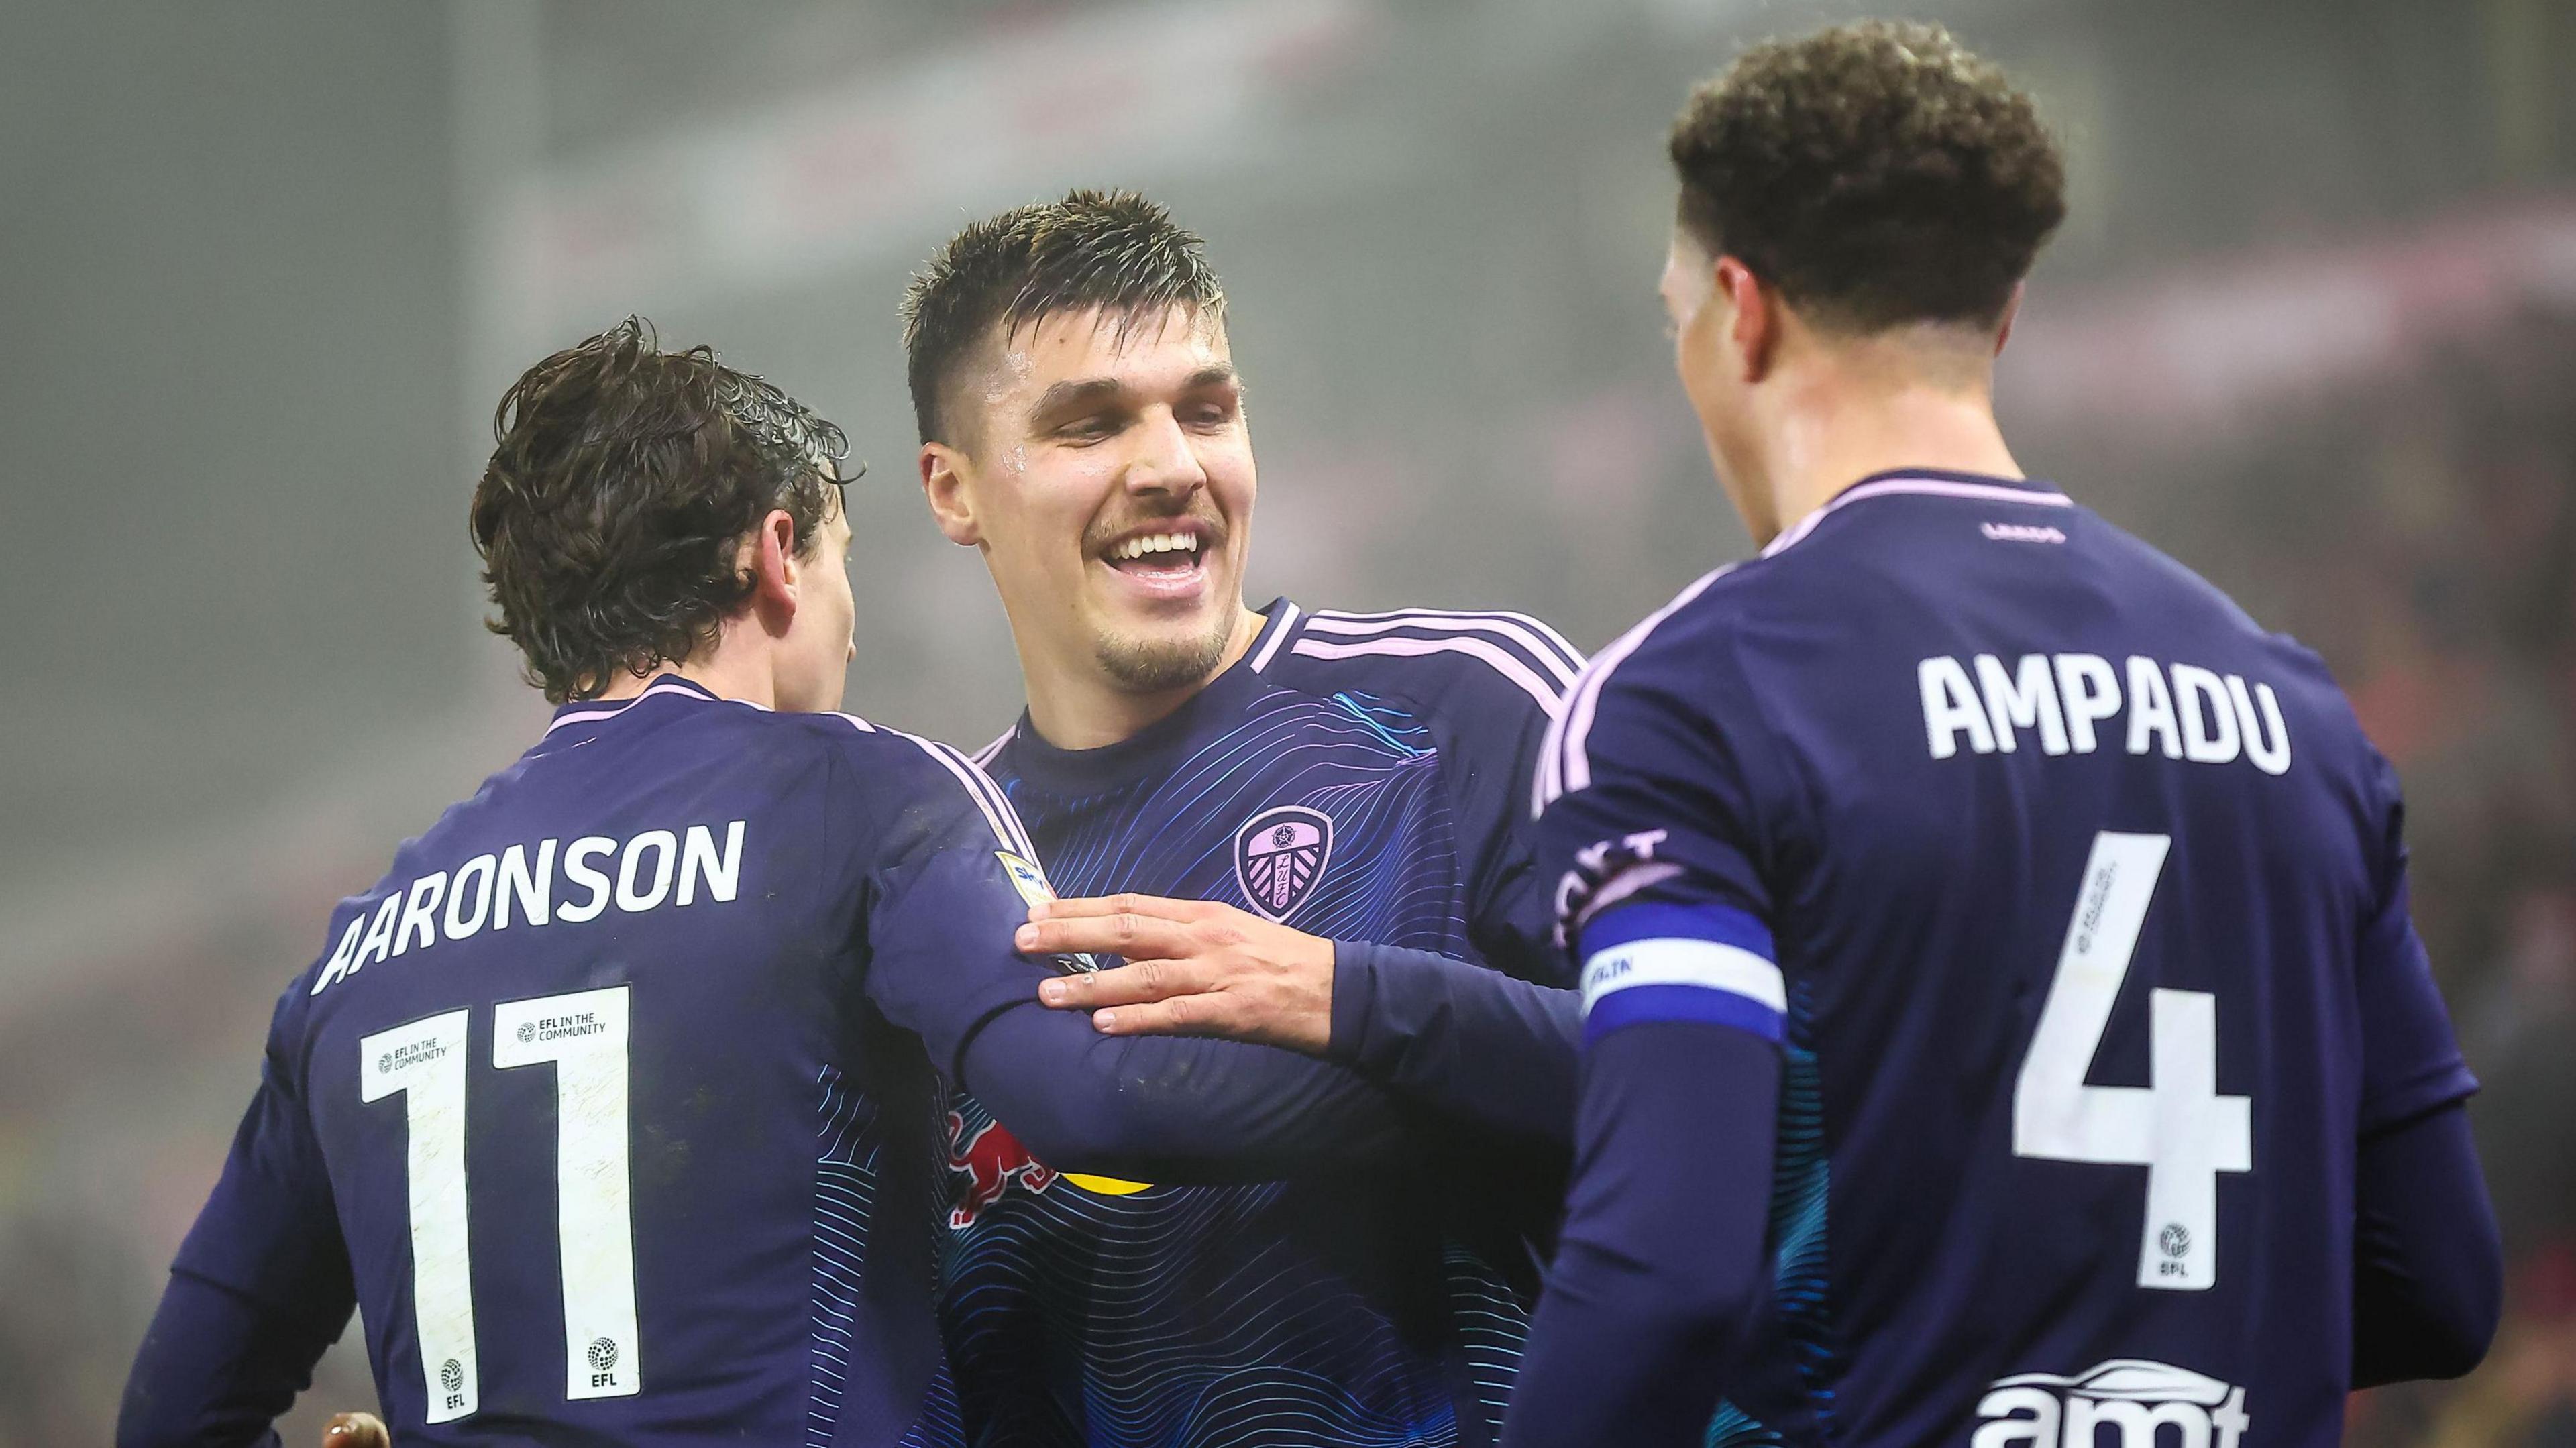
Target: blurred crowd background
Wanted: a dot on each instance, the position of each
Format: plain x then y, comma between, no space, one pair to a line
265,268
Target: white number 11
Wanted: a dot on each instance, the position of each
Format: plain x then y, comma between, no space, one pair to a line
584,1035
2180,1129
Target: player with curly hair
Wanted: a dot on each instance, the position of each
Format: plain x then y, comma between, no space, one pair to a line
613,1101
2002,1018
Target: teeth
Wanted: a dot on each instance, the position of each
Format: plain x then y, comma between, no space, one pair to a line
1155,543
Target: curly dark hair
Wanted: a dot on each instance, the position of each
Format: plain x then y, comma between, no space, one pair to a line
624,480
1114,250
1876,174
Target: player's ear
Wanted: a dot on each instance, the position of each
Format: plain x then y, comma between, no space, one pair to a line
2012,308
943,486
1753,317
776,572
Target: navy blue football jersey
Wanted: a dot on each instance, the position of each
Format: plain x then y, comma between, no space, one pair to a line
2077,904
602,1097
1358,777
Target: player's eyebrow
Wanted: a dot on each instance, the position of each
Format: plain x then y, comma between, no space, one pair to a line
1072,393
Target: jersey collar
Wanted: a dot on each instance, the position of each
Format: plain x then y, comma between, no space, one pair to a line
1925,482
1156,747
600,711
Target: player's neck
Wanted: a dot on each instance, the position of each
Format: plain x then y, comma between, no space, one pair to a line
1836,432
729,670
1074,704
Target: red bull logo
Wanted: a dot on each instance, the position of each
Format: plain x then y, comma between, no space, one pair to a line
990,1160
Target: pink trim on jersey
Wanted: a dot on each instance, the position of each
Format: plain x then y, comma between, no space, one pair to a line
1503,620
1932,487
979,787
622,705
1563,767
1510,630
1279,631
984,757
1503,663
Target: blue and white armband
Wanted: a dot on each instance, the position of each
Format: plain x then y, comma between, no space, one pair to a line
1656,962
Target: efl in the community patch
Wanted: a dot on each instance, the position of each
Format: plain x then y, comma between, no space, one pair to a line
1279,854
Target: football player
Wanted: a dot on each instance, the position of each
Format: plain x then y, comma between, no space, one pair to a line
1976,908
1347,790
612,1102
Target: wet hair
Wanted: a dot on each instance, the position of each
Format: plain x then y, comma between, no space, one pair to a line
624,481
1876,174
1112,250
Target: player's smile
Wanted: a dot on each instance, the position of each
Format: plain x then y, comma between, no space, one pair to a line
1162,559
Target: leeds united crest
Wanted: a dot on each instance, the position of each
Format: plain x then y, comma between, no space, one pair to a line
1279,854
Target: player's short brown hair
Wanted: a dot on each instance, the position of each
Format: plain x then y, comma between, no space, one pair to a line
624,482
1113,250
1876,174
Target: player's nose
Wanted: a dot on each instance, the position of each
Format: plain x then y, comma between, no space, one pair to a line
1165,461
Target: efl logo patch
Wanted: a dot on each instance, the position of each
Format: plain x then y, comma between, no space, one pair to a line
1279,854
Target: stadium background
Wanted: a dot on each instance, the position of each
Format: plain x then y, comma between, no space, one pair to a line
264,269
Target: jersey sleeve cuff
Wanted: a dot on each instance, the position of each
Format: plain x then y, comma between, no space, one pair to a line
1703,964
1354,999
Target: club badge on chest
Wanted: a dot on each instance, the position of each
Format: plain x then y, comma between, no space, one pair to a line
1279,855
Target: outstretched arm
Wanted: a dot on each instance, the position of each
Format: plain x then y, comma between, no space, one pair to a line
1455,1037
1154,1108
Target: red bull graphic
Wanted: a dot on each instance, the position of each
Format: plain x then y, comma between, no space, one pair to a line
990,1160
1279,854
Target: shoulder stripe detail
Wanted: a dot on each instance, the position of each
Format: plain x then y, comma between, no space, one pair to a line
985,756
1544,693
1928,487
1503,620
1563,767
862,725
1541,650
1279,632
1005,821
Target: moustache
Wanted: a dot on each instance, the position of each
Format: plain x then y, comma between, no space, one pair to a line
1211,529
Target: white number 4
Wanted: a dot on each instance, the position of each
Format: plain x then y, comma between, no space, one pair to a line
2180,1129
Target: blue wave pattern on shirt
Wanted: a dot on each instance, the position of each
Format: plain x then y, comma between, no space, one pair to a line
845,1189
1801,1187
1320,1310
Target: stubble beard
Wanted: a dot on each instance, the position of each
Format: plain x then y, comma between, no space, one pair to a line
1160,665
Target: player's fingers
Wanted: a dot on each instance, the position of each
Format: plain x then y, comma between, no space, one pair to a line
1134,983
1159,907
1186,1015
1135,936
356,1430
